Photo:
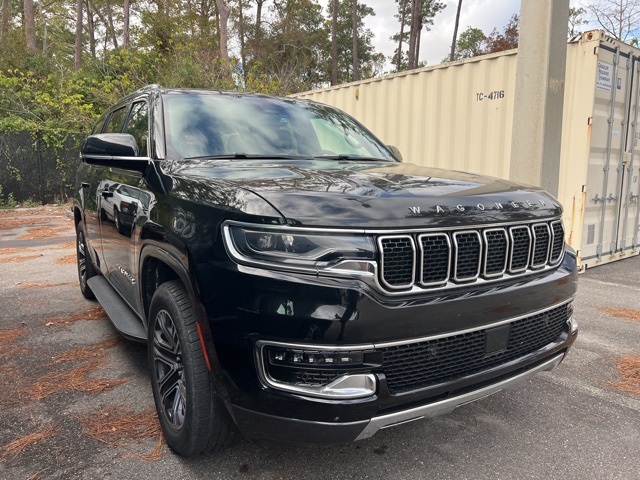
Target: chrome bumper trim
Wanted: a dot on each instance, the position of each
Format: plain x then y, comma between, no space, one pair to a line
449,404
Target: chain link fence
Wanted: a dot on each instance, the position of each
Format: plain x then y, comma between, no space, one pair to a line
29,170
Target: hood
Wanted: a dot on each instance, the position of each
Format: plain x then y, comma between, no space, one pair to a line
328,193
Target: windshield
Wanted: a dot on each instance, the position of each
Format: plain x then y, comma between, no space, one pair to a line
210,125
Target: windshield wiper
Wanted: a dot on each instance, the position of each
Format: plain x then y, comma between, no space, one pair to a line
343,156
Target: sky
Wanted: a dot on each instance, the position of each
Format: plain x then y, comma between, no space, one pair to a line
436,43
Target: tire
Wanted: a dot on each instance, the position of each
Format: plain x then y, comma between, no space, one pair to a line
85,266
192,418
118,222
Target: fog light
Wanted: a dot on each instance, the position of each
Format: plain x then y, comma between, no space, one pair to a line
285,356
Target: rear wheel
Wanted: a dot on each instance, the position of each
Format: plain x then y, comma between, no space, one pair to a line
85,266
193,419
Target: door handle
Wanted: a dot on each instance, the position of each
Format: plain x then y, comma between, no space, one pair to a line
85,185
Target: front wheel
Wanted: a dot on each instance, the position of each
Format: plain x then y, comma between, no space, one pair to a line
192,418
85,266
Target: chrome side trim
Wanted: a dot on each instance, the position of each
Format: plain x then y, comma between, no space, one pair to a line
449,404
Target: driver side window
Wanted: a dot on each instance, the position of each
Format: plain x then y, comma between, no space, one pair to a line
138,126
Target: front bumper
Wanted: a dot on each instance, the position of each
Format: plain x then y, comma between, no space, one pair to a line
259,425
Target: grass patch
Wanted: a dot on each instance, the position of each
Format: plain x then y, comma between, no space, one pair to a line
86,352
627,313
628,369
13,449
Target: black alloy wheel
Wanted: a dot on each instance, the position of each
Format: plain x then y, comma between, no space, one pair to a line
85,267
192,418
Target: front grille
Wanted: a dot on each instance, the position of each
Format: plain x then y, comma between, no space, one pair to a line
422,364
433,260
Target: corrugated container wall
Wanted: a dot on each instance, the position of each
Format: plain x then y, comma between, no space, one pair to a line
459,116
455,116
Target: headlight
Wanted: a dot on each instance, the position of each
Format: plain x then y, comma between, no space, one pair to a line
298,249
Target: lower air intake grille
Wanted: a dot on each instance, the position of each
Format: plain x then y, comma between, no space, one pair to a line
418,365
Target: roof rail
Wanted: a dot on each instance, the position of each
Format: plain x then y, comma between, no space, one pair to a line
146,88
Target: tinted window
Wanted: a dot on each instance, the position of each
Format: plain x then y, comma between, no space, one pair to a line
97,128
138,126
116,120
199,125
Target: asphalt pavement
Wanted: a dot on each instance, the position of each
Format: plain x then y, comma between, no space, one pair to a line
75,401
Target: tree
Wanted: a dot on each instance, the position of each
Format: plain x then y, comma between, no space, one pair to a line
4,24
77,55
618,18
334,42
455,32
498,42
576,21
224,11
30,27
417,14
354,37
472,42
126,33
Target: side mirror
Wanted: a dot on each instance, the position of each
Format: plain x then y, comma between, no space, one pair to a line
118,150
394,150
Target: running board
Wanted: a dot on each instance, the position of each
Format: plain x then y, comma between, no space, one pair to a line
123,319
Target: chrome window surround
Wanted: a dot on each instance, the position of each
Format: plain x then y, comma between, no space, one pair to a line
269,382
413,261
455,260
367,271
486,252
421,269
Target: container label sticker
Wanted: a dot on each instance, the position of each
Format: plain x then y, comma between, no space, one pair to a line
604,78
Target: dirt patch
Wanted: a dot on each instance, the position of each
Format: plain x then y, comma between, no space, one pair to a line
13,449
94,313
43,232
119,425
86,352
8,340
24,258
74,380
12,251
47,285
48,210
628,313
67,259
628,369
66,246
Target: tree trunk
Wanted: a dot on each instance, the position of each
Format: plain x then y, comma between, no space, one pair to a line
354,15
455,33
30,27
4,26
243,57
114,39
334,42
90,29
224,11
125,29
413,33
77,53
258,20
402,21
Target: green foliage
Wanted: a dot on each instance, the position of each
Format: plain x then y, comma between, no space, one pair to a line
471,43
9,202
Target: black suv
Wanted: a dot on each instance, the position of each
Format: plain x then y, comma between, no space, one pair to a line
293,277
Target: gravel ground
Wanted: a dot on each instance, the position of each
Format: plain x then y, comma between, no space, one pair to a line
57,399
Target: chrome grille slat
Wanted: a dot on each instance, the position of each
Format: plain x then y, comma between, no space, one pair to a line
447,259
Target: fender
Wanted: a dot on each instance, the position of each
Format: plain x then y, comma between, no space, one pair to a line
179,262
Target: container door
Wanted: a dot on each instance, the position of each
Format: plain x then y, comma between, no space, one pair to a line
612,110
628,224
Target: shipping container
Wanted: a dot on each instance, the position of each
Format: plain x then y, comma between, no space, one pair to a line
459,116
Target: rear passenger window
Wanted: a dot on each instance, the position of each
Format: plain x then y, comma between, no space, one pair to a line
138,126
116,120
